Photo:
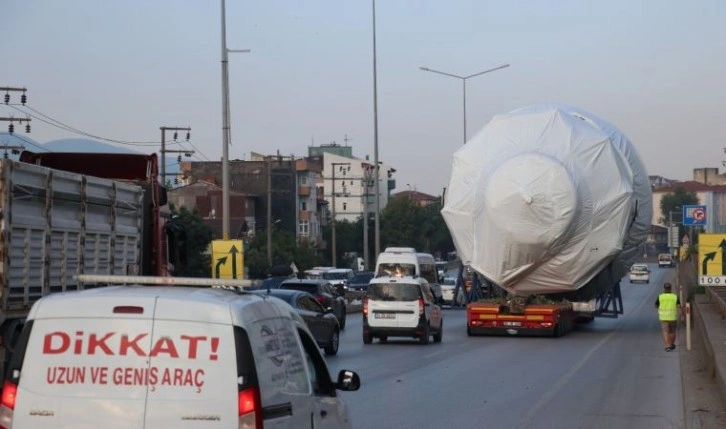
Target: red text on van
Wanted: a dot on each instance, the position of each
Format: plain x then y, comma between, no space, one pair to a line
115,344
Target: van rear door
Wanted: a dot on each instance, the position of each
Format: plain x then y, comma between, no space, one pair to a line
87,371
194,367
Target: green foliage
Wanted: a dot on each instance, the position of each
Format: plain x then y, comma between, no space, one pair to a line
285,251
198,239
674,202
404,223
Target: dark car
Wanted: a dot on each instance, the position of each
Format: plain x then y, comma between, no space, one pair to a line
322,323
360,281
269,283
323,291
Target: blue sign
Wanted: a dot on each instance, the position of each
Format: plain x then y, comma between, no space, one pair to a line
694,215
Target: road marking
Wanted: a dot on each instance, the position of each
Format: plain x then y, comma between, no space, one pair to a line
567,377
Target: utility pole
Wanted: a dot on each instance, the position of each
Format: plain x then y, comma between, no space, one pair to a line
269,212
366,189
23,100
13,149
226,139
332,226
164,150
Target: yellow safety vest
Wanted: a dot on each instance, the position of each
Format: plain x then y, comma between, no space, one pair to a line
667,311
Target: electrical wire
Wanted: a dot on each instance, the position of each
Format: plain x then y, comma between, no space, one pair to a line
40,116
19,136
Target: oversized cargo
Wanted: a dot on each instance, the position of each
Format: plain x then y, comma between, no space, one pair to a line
549,199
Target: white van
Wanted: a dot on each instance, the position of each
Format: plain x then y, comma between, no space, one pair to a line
169,357
401,307
405,261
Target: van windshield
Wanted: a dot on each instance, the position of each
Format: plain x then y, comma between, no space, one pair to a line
393,292
398,270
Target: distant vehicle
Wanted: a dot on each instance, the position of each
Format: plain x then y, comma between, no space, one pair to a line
270,283
324,292
322,323
665,260
401,307
360,281
316,273
447,291
405,261
339,278
639,273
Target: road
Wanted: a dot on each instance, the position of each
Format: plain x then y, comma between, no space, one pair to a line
610,373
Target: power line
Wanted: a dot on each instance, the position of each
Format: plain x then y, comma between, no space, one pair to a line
30,142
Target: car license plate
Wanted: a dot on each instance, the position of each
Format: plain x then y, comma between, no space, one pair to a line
512,323
384,315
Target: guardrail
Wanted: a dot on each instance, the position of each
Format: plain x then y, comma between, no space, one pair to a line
717,295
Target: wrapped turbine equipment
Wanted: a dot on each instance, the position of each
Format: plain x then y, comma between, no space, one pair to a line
549,199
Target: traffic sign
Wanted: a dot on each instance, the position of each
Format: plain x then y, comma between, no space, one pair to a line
694,215
686,241
712,259
227,259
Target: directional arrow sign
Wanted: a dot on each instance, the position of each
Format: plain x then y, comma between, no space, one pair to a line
227,259
704,264
712,255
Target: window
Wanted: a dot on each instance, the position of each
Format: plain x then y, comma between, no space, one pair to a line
345,206
428,271
304,228
303,206
317,370
309,304
303,180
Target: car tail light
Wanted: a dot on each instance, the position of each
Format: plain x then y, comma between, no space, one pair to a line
250,409
420,306
321,299
365,306
7,405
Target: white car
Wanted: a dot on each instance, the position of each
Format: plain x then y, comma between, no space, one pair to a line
447,291
169,357
639,273
401,307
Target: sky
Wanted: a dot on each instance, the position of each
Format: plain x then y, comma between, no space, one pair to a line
122,69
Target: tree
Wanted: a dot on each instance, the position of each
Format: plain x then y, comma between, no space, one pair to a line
198,238
405,223
674,202
285,251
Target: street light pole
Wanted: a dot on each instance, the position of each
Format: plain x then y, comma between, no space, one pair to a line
226,139
377,189
464,79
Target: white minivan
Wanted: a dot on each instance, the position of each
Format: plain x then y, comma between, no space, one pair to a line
169,357
405,261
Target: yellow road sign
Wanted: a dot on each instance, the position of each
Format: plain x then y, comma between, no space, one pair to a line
712,259
227,259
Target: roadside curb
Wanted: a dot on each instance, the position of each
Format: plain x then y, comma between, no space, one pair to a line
714,340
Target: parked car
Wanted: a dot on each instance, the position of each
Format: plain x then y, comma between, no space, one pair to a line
322,323
360,281
401,307
665,260
639,273
166,357
324,292
270,283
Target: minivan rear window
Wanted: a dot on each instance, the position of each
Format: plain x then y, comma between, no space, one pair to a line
393,292
302,287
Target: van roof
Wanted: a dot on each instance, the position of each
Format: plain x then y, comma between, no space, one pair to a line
179,302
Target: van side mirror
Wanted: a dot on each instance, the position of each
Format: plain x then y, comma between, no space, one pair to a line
347,381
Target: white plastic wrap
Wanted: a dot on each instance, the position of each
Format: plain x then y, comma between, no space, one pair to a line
542,199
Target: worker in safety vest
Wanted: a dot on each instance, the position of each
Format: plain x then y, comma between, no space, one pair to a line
669,311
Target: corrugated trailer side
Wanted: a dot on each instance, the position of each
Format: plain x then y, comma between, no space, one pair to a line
54,225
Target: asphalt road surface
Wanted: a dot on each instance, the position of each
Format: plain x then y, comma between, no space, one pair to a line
611,373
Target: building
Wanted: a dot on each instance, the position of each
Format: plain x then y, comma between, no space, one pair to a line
419,198
205,198
712,196
348,182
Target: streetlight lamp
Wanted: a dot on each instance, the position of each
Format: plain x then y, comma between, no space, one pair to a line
463,80
332,232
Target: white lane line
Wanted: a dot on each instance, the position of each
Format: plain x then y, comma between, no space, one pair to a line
567,377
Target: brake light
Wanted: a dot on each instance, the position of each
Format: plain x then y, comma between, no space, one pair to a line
420,306
10,390
7,404
321,299
365,306
250,409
